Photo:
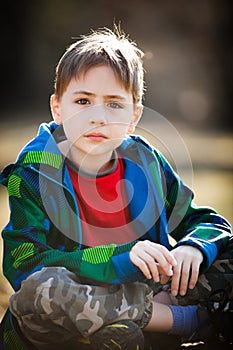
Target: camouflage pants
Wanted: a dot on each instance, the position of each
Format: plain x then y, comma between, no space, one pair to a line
51,303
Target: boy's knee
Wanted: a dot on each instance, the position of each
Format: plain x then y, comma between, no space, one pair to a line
37,306
38,292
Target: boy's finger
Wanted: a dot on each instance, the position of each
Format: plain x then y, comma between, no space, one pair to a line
167,254
184,280
151,264
159,253
163,265
194,275
175,280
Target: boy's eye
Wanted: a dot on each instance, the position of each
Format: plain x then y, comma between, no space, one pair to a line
82,101
115,105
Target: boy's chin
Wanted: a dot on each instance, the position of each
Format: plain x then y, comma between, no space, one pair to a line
102,148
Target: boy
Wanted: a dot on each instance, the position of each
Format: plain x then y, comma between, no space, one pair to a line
92,207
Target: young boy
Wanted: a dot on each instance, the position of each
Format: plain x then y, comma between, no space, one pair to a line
87,247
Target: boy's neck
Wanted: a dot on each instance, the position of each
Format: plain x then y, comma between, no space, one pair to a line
95,165
89,163
102,172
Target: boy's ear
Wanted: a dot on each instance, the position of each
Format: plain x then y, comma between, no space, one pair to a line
55,109
136,117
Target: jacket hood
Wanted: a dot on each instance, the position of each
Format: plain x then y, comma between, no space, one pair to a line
33,151
39,143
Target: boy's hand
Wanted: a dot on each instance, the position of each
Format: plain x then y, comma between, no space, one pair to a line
186,272
152,259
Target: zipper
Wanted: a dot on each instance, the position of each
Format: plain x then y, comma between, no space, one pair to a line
161,238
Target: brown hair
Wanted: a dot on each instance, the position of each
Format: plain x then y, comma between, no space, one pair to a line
103,47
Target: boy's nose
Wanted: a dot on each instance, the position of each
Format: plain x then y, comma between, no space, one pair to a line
98,116
94,121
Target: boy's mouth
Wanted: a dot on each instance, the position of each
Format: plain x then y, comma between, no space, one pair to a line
96,136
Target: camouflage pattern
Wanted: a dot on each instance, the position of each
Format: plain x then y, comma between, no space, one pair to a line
218,277
52,304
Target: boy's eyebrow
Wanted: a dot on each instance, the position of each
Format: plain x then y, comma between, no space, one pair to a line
82,92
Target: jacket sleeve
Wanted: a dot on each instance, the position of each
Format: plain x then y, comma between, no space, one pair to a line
27,245
189,224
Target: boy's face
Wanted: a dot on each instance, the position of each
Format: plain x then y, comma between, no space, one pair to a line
96,112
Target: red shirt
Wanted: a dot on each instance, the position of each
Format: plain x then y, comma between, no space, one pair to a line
103,207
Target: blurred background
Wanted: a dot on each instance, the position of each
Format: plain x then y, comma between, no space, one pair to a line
188,72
